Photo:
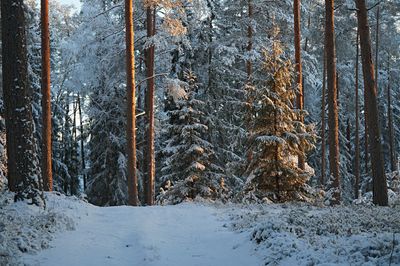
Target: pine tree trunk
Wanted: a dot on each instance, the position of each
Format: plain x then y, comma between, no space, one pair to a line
83,162
323,124
357,133
249,64
150,109
333,122
390,124
67,142
366,137
210,41
21,153
131,108
74,177
46,99
299,77
380,195
377,48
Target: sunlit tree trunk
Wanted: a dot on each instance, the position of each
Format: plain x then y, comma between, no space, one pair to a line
332,98
46,99
299,70
131,105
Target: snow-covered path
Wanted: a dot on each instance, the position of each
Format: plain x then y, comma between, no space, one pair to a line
182,235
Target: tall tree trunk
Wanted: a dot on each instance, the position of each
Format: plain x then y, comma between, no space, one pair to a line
377,48
357,133
249,64
67,142
380,195
366,137
299,70
323,125
46,99
390,124
210,41
131,106
332,98
74,184
150,108
21,151
83,162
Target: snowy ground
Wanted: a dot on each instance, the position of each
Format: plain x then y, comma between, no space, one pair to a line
298,234
27,229
71,232
186,234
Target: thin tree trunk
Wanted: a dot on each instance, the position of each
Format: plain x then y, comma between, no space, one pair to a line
74,180
366,137
131,106
377,48
249,64
46,99
67,142
357,133
390,123
150,109
82,143
332,99
323,125
299,70
348,135
210,41
380,195
21,151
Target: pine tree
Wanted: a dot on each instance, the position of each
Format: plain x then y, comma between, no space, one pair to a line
21,151
380,195
278,135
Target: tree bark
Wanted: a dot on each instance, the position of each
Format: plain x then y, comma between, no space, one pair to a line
46,100
21,152
149,191
83,162
323,124
332,99
299,70
131,105
357,133
377,47
380,196
390,124
249,64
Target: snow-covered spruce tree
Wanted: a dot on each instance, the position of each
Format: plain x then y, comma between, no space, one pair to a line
190,159
276,134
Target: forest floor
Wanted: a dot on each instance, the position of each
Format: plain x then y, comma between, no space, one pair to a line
185,234
72,232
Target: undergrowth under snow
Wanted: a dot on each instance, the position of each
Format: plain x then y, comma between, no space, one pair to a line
27,229
298,234
282,234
